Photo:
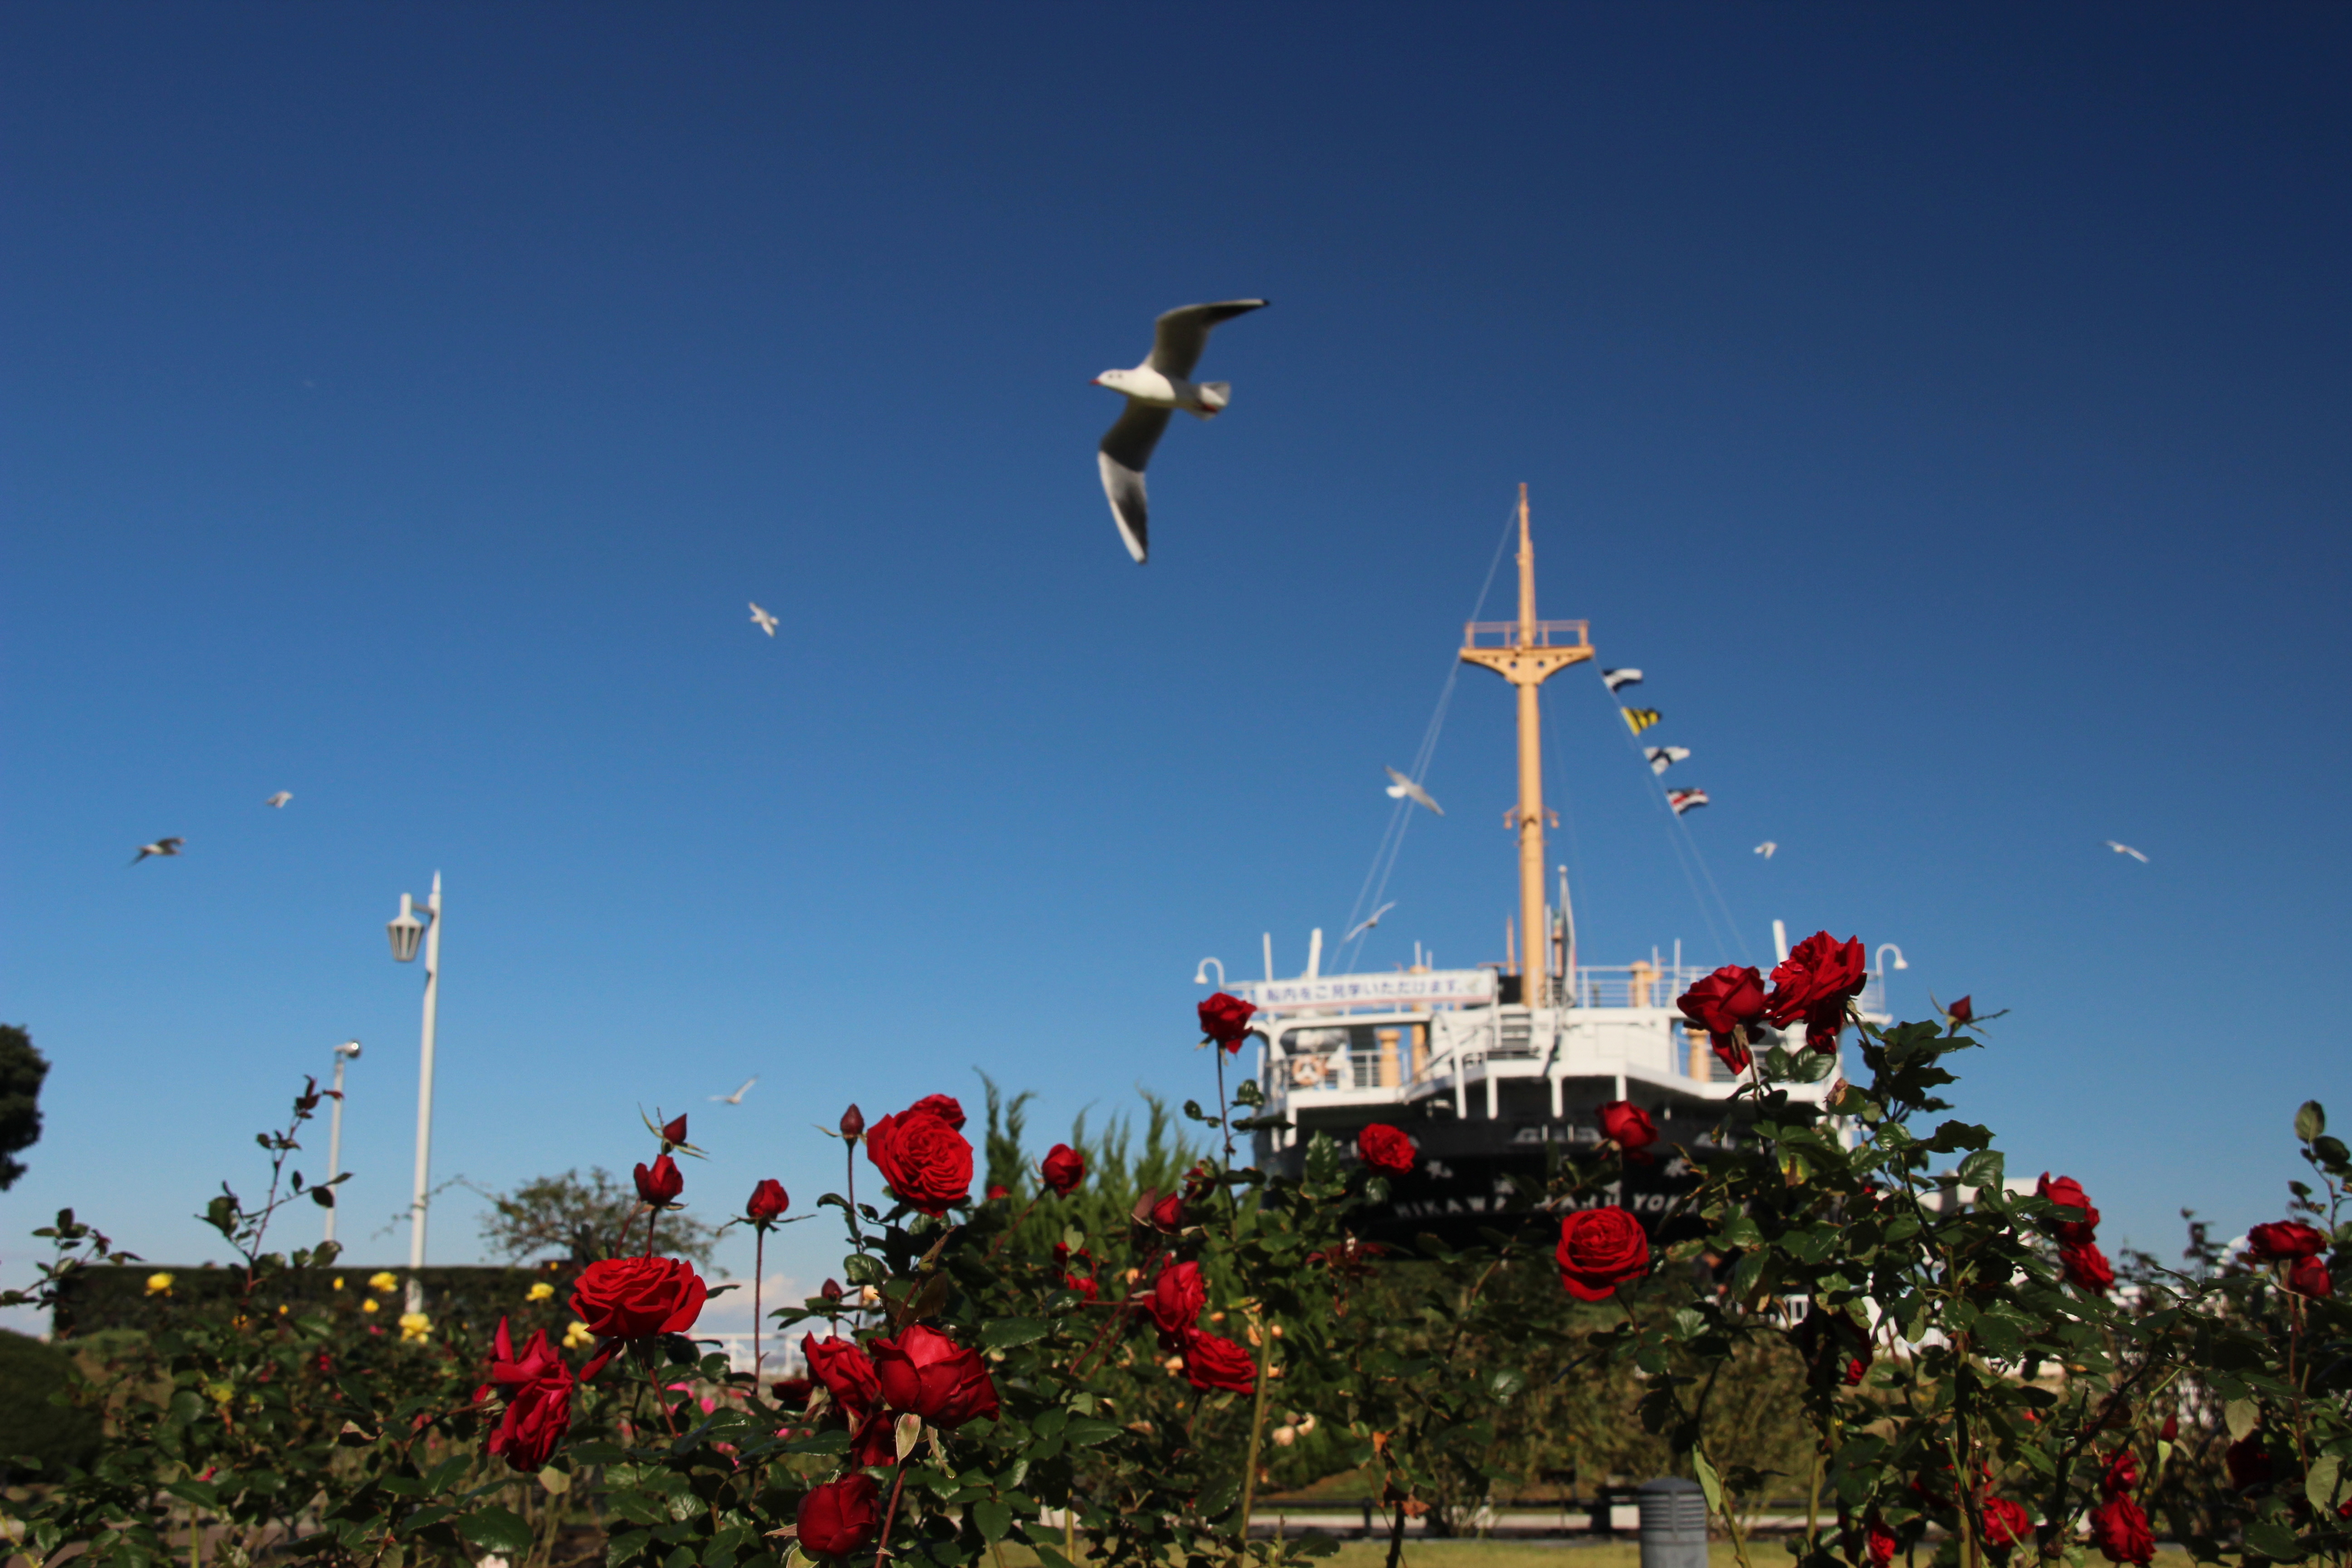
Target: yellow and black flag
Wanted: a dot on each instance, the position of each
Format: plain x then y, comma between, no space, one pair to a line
1639,719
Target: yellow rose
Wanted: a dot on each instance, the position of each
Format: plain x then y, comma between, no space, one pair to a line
159,1284
383,1280
339,1281
367,1306
415,1328
577,1336
541,1292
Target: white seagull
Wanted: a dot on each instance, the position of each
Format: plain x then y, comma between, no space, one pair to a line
1369,924
736,1098
1155,389
2126,850
161,847
1403,789
278,800
1766,848
764,621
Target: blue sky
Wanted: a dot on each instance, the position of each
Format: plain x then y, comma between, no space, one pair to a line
1946,411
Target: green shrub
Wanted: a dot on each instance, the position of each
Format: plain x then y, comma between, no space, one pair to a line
31,1427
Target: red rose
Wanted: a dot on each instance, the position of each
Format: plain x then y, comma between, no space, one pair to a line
1063,1169
1084,1285
996,1192
1599,1250
673,1134
1627,1125
925,1371
2067,1194
539,1359
946,1107
845,1371
853,1123
2005,1523
2087,1267
2308,1277
537,1415
1814,983
923,1157
1960,1012
637,1297
840,1517
660,1184
1385,1149
2122,1532
1881,1545
1726,1001
1225,1019
2122,1474
1178,1298
1167,1212
767,1201
2248,1462
1212,1361
2285,1238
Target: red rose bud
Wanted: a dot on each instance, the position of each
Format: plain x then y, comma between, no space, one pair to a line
1814,983
1178,1298
1385,1149
831,1290
1727,1000
674,1132
927,1373
2005,1523
1627,1125
925,1161
767,1201
2067,1194
996,1192
1084,1285
2121,1531
2248,1462
840,1517
1960,1012
1063,1170
946,1107
2308,1277
847,1372
2170,1430
853,1123
2087,1267
2285,1238
660,1184
1212,1361
1600,1249
1225,1019
1168,1214
637,1297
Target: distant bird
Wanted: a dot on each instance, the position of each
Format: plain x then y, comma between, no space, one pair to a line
1403,789
1356,931
2126,850
1766,848
1153,390
277,800
736,1098
1616,678
764,621
161,847
1682,800
1664,757
1640,719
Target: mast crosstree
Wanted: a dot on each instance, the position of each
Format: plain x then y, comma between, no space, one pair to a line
1527,653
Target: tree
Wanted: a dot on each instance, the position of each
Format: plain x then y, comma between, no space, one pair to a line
585,1219
22,1071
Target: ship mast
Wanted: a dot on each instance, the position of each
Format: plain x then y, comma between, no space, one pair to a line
1527,653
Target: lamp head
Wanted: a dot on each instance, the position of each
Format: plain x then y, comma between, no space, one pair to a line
1200,975
405,931
349,1049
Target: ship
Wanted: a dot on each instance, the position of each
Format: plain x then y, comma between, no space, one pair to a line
1494,1070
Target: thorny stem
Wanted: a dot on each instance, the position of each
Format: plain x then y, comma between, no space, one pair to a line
882,1547
1257,1430
1006,1233
758,1271
849,1156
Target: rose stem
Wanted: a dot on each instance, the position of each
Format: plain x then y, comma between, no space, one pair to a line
758,1267
1226,1121
849,1156
1006,1233
661,1394
1257,1430
882,1547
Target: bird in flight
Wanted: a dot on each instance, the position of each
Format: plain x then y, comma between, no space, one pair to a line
1403,789
1155,389
166,846
2126,850
277,800
764,621
1766,848
1616,680
736,1098
1356,931
1664,757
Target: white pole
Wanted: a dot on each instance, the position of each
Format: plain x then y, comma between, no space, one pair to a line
335,1140
1269,955
424,1101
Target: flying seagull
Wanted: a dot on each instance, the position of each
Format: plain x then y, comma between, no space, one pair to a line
1682,800
1155,389
764,621
277,800
1614,679
1766,848
1664,757
1640,719
736,1098
2126,850
1403,789
1357,930
161,847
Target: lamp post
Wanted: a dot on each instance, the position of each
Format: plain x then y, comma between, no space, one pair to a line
404,930
1883,949
1200,975
346,1054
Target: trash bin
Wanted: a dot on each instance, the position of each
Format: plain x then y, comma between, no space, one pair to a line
1674,1523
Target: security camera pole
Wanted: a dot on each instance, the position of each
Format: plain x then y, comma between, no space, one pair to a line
405,930
344,1054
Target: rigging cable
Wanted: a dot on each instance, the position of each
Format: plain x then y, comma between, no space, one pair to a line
1685,848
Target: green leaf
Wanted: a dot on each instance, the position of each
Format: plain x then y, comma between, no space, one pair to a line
1220,1497
596,1452
2240,1415
499,1529
1085,1432
1982,1169
1504,1381
864,1268
1318,1543
1049,1556
2319,1486
993,1517
2310,1119
1004,1333
2273,1541
195,1492
1707,1482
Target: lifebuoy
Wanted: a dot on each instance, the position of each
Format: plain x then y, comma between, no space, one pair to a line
1306,1072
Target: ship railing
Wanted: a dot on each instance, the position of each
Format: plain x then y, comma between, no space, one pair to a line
1506,633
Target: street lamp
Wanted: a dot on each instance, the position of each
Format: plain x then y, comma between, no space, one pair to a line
1883,949
346,1054
405,929
1200,975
